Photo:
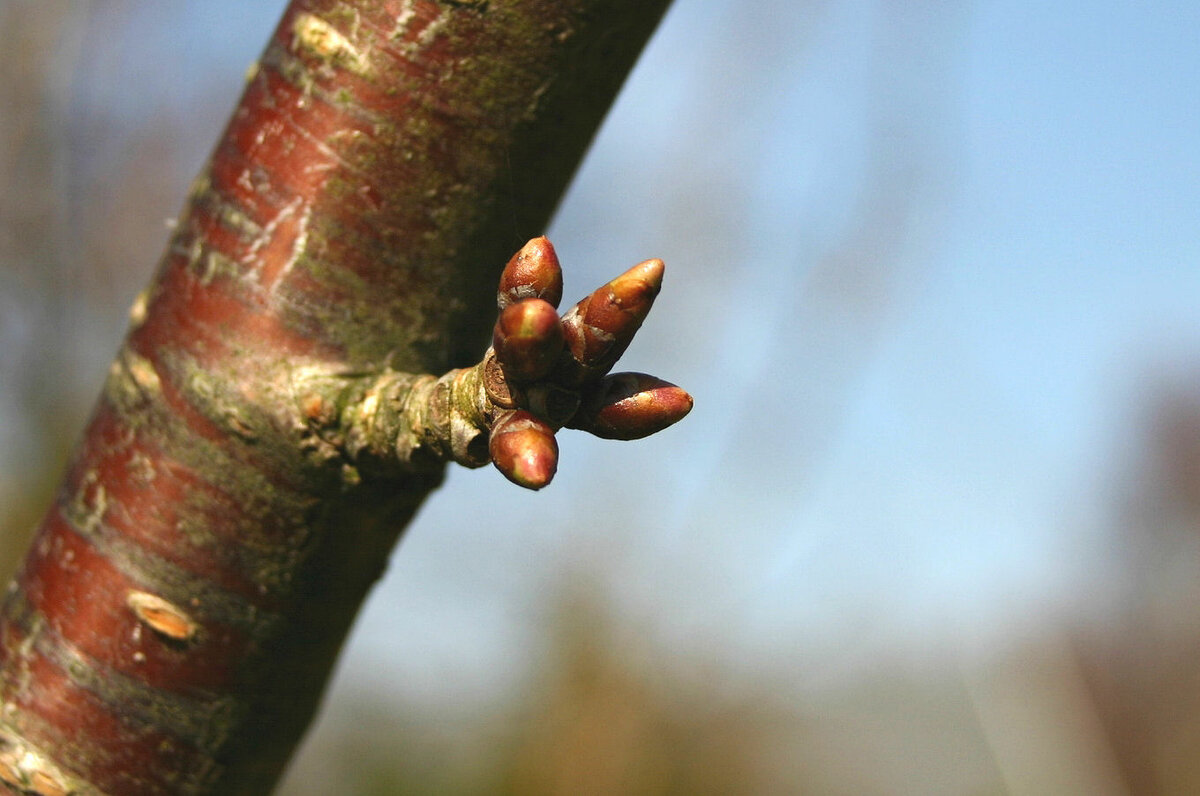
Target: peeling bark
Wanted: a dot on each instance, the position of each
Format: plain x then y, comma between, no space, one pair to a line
177,616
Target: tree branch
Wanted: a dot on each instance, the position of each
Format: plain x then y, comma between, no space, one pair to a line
268,429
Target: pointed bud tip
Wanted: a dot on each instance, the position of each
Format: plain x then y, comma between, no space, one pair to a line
650,271
601,326
636,288
533,272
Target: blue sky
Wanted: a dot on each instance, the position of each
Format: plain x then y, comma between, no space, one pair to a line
924,453
925,262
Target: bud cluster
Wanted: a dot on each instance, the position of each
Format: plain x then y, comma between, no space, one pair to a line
544,372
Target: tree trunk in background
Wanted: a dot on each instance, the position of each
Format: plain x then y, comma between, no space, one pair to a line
178,614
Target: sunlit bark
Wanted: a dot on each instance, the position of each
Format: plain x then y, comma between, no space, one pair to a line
175,621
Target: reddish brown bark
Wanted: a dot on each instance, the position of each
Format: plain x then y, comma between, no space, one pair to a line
178,614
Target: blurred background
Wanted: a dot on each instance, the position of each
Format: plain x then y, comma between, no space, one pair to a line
933,278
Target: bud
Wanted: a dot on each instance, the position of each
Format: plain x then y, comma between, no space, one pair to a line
631,406
533,272
600,328
527,339
523,448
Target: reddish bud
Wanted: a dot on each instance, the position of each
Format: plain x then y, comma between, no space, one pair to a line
533,272
631,406
528,339
524,449
600,328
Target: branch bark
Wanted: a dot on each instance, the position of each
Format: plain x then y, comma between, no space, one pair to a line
265,432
